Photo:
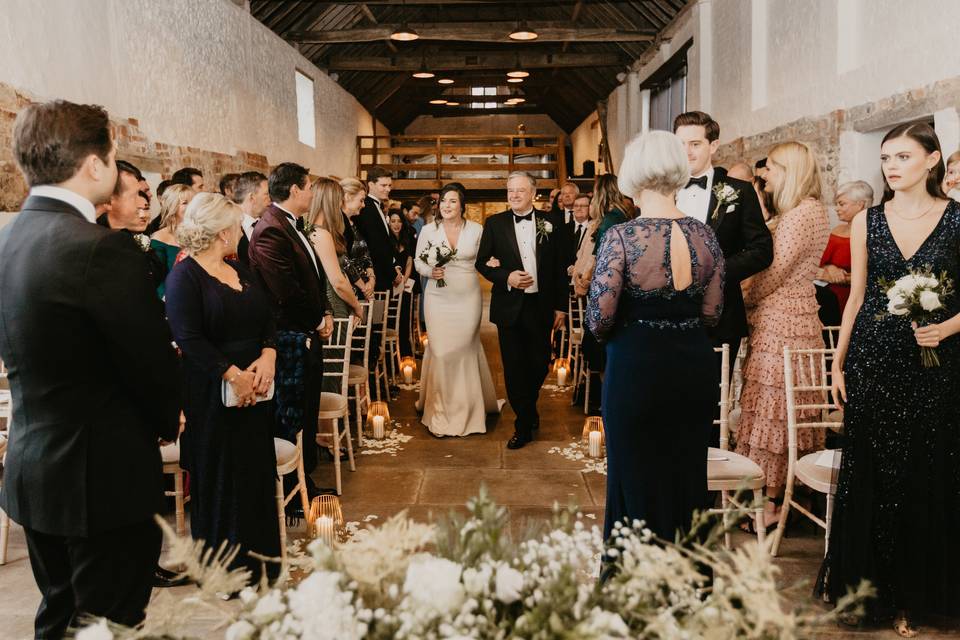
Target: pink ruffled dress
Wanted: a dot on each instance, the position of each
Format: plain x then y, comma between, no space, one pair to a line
782,311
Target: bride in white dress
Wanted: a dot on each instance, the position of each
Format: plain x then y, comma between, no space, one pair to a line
456,388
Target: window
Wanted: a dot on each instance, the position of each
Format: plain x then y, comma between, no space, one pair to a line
483,91
668,90
306,126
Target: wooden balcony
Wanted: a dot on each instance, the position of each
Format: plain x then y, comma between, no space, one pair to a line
480,163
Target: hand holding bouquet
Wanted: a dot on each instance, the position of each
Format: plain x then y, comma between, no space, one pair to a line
919,295
437,256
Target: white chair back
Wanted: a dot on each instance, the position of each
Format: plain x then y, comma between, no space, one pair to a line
393,311
575,305
336,352
724,420
360,342
806,375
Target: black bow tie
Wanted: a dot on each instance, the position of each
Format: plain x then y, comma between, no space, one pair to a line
700,182
299,224
519,218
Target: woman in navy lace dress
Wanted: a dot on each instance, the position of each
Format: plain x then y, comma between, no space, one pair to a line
897,509
658,281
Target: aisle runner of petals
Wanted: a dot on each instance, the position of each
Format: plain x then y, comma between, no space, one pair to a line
391,444
577,451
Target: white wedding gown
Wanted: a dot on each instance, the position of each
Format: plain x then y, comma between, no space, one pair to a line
456,388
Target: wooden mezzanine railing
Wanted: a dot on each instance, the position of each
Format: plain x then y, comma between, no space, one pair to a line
425,163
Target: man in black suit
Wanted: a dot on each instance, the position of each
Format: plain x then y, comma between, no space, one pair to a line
93,376
521,253
252,194
286,264
374,225
730,207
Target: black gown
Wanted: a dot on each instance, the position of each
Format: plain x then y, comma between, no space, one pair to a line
229,452
661,374
897,509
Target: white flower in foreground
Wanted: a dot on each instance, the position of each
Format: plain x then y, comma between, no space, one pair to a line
929,281
602,625
325,611
434,583
509,584
898,306
268,608
909,282
477,581
930,301
240,630
97,631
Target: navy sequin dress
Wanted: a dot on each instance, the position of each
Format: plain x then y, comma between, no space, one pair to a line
897,509
660,385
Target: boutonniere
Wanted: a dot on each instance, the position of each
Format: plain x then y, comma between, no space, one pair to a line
143,241
544,229
726,195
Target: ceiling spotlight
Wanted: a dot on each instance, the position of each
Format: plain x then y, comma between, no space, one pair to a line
403,33
445,80
438,101
518,73
523,32
514,80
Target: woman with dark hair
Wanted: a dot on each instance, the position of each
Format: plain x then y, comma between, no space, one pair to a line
897,507
454,364
403,242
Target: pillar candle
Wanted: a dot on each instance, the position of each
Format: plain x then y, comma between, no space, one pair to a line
593,448
408,374
378,431
324,525
562,377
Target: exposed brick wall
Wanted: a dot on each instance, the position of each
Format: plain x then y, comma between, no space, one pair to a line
132,145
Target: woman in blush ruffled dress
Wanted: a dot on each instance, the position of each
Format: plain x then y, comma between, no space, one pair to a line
782,312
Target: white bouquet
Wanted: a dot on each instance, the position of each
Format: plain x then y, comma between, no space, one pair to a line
919,295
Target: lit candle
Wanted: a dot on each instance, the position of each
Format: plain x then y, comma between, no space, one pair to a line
408,374
378,431
325,532
593,447
562,377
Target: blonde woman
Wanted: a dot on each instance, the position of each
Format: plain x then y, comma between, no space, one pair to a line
782,312
164,243
325,220
358,266
224,325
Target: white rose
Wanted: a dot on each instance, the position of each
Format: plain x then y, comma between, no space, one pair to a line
434,583
509,584
929,281
97,631
896,292
909,282
929,300
547,226
268,608
897,306
240,630
476,582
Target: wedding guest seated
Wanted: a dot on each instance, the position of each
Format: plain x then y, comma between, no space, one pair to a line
228,183
852,198
661,369
165,241
190,177
224,325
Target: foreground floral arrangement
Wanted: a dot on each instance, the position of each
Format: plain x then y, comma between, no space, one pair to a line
466,579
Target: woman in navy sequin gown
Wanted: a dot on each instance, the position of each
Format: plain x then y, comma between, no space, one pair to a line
224,325
897,509
658,281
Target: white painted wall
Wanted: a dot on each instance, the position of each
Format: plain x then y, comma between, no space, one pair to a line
202,73
585,141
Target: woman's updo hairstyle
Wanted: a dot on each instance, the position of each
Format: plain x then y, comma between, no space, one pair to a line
654,161
457,188
206,216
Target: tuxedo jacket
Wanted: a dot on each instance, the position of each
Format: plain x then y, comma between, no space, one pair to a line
499,240
93,374
243,250
286,271
747,249
370,223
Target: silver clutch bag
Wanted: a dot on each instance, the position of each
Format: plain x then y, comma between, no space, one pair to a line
230,398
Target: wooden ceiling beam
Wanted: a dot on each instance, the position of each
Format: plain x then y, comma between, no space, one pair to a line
473,32
480,61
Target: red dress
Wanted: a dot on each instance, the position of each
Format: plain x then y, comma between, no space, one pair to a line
837,253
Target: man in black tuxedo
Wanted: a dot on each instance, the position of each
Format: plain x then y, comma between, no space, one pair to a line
374,225
521,253
252,194
287,265
735,217
93,376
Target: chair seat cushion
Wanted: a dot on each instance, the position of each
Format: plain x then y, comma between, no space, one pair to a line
286,451
815,476
357,374
170,453
727,465
332,402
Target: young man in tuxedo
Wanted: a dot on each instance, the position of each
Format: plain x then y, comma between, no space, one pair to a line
252,194
730,207
286,264
529,299
95,384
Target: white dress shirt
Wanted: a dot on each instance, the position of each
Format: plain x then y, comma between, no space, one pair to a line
694,201
247,223
383,218
526,231
72,198
567,216
580,231
292,219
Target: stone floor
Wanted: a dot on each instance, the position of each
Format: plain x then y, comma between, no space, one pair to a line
430,476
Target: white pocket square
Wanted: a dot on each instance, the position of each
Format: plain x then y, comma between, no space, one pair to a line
730,208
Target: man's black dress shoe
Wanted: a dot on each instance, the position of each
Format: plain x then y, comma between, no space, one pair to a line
164,578
519,440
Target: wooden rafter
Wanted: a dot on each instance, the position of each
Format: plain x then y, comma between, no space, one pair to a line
470,32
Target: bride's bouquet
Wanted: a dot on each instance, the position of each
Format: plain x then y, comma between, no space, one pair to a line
918,295
436,256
